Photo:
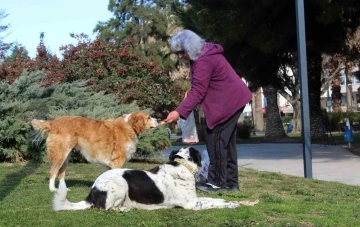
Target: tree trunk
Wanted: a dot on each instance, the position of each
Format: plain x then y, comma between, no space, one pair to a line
292,95
349,84
336,94
258,114
314,84
274,127
297,116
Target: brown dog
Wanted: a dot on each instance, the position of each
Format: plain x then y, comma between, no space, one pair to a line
108,142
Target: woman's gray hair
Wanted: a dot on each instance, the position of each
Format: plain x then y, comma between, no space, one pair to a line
188,41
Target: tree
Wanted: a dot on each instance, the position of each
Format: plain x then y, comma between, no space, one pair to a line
273,122
345,61
17,52
3,28
19,61
147,22
328,25
44,57
253,31
332,66
249,52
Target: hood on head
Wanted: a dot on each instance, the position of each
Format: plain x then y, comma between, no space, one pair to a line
211,49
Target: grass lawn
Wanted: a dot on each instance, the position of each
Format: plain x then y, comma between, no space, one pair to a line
25,200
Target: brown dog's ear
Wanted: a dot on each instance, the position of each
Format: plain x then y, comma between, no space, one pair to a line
137,121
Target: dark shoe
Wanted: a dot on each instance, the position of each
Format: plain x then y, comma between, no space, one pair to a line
207,187
200,184
231,189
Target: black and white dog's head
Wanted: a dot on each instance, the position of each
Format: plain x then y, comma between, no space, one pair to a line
187,153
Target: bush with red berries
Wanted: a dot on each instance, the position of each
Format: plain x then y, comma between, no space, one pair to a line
107,67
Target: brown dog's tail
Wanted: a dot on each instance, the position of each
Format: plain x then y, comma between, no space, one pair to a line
41,126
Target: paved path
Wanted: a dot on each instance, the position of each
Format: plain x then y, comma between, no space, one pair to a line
329,163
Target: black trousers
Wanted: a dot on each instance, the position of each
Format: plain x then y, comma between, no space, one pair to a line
221,147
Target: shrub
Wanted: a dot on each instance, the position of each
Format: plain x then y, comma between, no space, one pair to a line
333,120
115,69
152,142
107,67
26,99
336,117
244,129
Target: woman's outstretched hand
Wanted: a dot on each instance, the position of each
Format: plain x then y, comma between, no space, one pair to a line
172,116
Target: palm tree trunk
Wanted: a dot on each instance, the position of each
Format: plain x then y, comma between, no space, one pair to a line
314,75
274,127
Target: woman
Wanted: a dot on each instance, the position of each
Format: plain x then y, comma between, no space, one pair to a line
222,95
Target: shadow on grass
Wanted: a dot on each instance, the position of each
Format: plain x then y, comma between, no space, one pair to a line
71,183
13,180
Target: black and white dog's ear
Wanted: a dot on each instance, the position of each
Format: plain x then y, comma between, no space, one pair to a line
195,155
172,155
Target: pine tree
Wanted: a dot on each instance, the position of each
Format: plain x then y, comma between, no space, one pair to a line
3,28
17,52
147,22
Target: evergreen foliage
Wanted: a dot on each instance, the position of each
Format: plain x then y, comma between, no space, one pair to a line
151,142
147,22
259,37
106,67
257,34
17,52
3,28
25,99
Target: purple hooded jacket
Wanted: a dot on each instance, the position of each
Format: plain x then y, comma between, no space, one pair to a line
216,86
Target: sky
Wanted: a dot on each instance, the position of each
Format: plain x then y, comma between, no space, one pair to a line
56,18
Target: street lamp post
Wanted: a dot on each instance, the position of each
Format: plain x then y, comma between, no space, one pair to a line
305,115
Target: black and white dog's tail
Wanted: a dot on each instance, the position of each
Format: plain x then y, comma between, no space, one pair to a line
60,201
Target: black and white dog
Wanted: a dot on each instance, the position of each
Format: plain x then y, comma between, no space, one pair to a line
166,186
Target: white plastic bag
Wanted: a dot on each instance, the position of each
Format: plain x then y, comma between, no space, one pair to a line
188,129
205,162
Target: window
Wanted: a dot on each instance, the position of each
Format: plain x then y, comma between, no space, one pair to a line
355,79
343,101
343,79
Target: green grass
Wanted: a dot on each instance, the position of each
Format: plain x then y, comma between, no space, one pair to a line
25,200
